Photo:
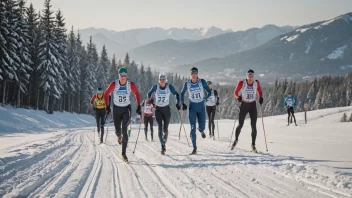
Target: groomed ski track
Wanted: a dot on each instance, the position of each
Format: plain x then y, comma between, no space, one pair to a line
71,165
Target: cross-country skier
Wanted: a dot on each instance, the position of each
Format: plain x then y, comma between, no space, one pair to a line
246,92
162,111
195,87
148,107
290,103
211,104
98,105
122,89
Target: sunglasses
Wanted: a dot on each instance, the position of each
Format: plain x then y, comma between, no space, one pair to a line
250,74
123,76
194,73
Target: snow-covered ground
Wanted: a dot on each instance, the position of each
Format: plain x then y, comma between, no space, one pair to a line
300,164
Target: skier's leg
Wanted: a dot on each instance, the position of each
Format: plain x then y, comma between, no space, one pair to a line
146,126
253,116
159,120
102,121
151,122
125,122
117,120
209,118
192,121
201,118
166,118
288,114
241,117
212,115
97,120
293,114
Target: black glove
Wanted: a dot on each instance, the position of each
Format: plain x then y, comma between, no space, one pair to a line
178,106
184,106
108,110
217,103
239,98
138,110
261,100
152,101
94,108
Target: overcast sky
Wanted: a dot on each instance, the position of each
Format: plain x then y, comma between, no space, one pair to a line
225,14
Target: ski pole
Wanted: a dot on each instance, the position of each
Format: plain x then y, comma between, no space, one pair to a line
264,128
181,119
217,124
139,130
185,132
233,129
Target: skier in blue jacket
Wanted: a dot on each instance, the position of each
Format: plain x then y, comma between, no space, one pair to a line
196,88
289,103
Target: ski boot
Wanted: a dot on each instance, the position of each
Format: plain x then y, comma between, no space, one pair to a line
254,150
194,152
295,123
119,139
124,157
163,150
203,134
234,144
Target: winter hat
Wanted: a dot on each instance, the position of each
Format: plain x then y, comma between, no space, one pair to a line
100,90
194,70
162,76
250,71
122,70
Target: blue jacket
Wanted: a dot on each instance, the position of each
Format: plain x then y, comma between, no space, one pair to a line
205,86
287,101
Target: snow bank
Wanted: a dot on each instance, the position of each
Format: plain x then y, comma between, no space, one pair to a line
26,120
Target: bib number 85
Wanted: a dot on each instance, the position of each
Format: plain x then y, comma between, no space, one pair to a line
122,98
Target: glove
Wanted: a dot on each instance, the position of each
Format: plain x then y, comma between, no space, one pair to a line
184,106
138,111
94,108
152,101
239,98
178,106
261,100
108,110
217,103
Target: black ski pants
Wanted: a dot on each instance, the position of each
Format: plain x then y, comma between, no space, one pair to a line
211,116
163,116
122,117
250,108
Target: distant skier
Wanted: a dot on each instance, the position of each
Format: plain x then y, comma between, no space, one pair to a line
148,107
246,92
211,104
290,103
122,89
162,111
195,87
98,105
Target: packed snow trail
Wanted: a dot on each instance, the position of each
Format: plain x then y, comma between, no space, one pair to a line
69,164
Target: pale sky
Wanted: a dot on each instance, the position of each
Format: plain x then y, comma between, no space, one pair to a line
226,14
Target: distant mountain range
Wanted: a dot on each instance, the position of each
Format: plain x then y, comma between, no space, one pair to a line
121,42
319,48
171,52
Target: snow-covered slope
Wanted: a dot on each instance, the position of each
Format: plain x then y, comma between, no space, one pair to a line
27,120
69,164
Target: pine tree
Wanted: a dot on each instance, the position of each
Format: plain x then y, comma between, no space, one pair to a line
344,118
126,62
103,68
49,58
113,69
119,64
350,119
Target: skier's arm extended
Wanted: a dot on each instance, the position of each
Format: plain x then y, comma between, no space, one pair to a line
259,90
107,92
285,102
183,92
174,92
205,86
238,89
152,90
92,100
136,93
